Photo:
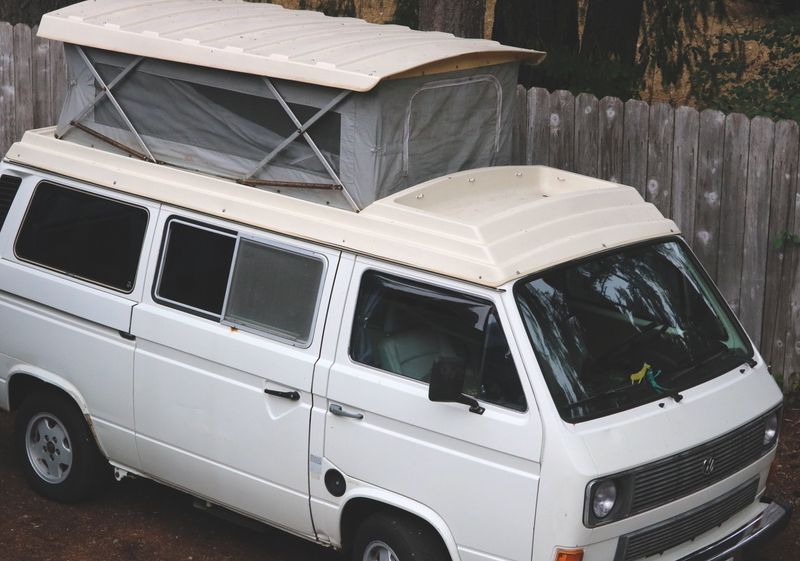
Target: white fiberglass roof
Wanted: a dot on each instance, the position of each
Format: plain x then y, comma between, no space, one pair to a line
268,40
487,226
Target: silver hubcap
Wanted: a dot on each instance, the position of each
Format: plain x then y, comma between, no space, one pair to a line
49,447
379,551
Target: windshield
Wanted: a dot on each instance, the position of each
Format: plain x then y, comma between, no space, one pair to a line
626,328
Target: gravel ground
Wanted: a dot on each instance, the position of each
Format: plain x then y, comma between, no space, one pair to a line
138,520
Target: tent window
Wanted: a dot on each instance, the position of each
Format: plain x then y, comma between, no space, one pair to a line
451,125
216,121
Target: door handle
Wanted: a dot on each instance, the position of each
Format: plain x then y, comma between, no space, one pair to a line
293,395
337,410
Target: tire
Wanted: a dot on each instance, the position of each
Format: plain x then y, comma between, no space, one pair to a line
395,536
56,449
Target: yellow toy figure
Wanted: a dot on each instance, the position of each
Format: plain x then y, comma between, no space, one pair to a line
637,377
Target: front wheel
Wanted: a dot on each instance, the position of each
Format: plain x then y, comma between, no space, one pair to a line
55,446
394,536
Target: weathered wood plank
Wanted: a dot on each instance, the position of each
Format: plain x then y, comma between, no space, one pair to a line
58,79
659,157
756,225
709,187
519,132
791,367
684,169
634,154
780,260
587,129
23,80
610,149
42,100
733,207
7,90
538,144
562,130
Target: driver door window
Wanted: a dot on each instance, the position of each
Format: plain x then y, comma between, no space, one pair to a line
405,327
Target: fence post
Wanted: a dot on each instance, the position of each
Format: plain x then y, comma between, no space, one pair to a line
734,190
780,260
684,169
7,90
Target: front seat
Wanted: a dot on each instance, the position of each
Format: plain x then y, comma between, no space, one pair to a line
410,346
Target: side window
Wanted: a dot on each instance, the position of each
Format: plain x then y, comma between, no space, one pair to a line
405,327
274,290
195,267
240,282
8,190
83,235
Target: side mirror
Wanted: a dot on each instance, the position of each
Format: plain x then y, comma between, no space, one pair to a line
447,384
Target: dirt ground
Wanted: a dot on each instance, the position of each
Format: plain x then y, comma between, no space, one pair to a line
138,520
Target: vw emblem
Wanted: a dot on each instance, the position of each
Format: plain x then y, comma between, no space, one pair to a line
708,465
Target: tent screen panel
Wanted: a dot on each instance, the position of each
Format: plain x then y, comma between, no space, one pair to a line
218,120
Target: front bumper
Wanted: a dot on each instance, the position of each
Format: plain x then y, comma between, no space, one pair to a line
763,527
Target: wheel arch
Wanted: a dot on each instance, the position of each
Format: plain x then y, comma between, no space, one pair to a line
366,501
23,380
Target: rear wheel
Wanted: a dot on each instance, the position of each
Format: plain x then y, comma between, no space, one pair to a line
58,453
395,536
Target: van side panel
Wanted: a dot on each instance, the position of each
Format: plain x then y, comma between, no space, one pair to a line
66,331
468,469
204,421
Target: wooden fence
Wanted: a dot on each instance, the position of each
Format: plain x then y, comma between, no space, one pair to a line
730,183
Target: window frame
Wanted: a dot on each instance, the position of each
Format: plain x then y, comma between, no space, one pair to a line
75,277
349,322
238,235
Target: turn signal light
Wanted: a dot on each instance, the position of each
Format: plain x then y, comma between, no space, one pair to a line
569,555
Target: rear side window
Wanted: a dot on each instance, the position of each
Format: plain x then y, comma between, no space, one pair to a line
83,235
256,286
8,190
405,327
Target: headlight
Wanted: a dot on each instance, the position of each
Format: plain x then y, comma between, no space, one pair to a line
604,499
771,429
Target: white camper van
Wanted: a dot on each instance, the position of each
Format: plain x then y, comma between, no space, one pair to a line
282,262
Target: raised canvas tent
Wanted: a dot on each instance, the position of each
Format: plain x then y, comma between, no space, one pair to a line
334,110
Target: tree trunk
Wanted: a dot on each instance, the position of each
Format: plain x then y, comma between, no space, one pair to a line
549,25
463,18
612,30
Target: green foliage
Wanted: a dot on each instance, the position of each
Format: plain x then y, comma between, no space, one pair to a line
631,39
669,29
785,238
725,79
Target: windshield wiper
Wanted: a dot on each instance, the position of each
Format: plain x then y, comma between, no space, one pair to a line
601,396
723,353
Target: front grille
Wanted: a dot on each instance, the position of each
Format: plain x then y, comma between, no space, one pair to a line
682,474
675,531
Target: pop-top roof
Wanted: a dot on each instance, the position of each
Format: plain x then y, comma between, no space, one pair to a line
268,40
486,226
